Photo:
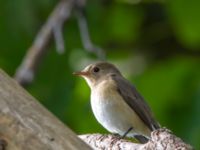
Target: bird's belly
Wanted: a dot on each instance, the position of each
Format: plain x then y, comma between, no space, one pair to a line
116,116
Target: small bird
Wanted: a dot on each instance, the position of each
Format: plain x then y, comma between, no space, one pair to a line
116,103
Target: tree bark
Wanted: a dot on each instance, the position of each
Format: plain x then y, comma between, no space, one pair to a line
27,125
161,139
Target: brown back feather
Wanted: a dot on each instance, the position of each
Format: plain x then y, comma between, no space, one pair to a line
135,101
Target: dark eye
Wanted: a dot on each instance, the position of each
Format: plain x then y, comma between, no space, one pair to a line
96,69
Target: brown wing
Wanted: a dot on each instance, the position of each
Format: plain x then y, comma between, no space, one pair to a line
135,101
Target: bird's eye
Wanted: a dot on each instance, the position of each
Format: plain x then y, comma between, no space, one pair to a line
96,69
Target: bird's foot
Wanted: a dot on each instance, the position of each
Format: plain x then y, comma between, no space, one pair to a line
116,138
116,135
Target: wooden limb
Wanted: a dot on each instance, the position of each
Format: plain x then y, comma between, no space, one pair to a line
53,28
26,125
26,71
85,36
162,139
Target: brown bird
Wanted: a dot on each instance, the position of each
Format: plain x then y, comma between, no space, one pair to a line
116,103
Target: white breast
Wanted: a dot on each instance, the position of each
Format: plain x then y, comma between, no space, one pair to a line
113,113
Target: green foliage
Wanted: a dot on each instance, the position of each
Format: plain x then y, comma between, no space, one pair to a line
122,22
185,19
154,43
171,87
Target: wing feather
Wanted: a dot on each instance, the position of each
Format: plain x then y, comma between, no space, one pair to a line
135,101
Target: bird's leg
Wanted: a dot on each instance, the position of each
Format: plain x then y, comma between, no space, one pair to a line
125,134
118,137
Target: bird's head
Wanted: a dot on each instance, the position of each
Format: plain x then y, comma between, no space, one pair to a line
95,73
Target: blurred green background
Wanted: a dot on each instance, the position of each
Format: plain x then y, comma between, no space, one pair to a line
155,43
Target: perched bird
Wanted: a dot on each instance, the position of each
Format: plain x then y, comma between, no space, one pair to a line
116,103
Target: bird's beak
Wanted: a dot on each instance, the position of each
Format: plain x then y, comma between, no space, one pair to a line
81,73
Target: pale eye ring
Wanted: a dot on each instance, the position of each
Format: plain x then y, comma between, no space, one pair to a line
96,69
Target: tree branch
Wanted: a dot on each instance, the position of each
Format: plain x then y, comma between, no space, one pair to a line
26,71
53,28
85,37
161,139
26,125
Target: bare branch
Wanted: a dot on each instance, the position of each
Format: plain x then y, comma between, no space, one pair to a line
26,125
85,37
53,28
57,32
161,139
26,71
